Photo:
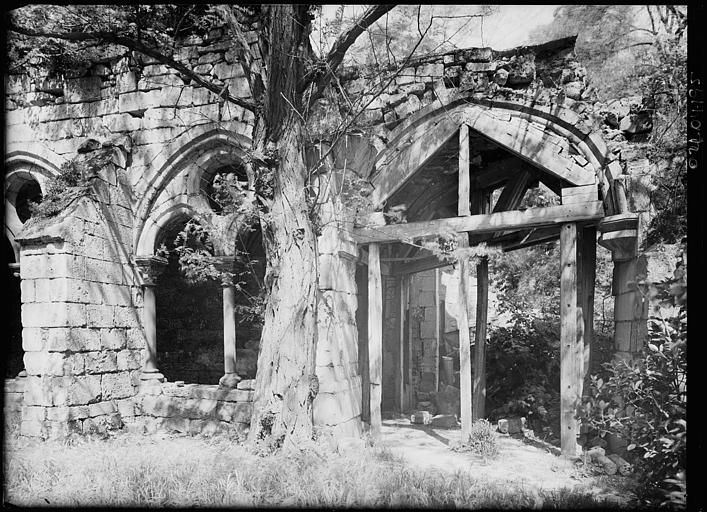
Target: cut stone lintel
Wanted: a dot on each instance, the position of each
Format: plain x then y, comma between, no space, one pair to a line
485,223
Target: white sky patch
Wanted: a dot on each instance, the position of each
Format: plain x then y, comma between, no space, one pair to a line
506,28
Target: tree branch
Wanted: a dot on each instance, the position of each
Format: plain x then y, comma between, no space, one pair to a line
340,47
139,47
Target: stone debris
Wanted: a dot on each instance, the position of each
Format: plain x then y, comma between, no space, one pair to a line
511,425
421,418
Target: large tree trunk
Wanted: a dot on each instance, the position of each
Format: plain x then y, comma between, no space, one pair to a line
285,382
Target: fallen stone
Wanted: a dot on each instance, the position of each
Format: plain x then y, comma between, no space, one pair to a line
444,421
88,146
501,77
511,425
595,451
573,90
623,466
636,123
248,384
421,417
606,464
427,406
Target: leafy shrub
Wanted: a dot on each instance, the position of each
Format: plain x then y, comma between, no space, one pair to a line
644,402
482,440
61,191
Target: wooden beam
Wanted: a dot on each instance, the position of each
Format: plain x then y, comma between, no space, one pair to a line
375,336
502,221
420,265
513,193
580,194
464,186
465,383
482,205
441,312
464,211
571,353
482,303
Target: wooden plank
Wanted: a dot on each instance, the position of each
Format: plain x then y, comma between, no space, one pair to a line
570,358
375,336
502,221
513,193
580,194
397,168
464,185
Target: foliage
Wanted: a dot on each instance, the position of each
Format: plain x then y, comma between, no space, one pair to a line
70,184
644,401
482,440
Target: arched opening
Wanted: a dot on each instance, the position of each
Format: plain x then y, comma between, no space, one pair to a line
30,192
189,323
21,191
190,308
224,185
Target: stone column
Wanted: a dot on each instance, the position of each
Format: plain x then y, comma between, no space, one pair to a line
150,268
230,378
619,234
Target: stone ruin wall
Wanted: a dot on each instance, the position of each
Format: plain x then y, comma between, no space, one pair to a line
160,114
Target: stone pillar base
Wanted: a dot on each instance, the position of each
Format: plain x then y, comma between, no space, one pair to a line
152,375
229,380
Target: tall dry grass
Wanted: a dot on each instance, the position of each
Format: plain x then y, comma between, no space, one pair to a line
131,470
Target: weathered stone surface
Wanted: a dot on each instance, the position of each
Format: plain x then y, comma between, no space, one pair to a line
350,445
230,380
246,384
640,122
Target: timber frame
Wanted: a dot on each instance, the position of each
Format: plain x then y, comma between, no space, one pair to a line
549,145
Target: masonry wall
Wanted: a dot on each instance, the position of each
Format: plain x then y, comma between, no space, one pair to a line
82,335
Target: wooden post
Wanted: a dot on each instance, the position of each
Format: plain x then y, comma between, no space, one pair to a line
571,343
464,349
464,186
482,302
588,277
404,283
438,323
375,336
464,208
481,203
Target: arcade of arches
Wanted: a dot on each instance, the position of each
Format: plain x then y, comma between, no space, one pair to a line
112,330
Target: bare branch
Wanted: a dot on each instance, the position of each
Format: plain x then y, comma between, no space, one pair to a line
341,46
139,47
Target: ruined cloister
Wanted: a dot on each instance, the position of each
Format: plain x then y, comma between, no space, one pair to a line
454,144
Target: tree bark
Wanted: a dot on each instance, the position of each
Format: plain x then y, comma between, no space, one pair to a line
285,383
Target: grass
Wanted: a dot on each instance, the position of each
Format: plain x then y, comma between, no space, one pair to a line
133,470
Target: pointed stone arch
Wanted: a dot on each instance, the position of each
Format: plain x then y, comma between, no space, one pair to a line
552,138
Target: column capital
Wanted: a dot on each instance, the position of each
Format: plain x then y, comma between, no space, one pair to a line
150,268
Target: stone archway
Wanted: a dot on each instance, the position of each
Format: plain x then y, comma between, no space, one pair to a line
563,154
